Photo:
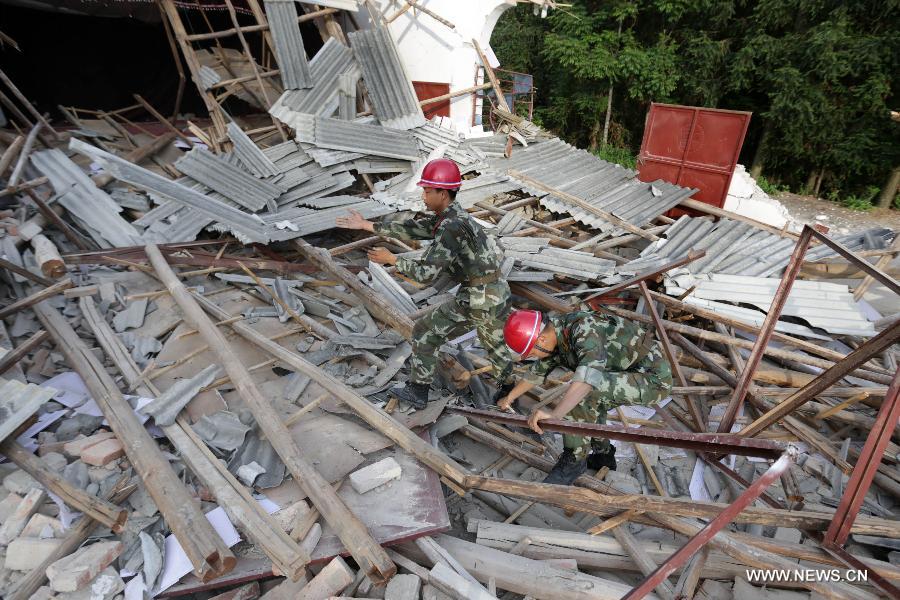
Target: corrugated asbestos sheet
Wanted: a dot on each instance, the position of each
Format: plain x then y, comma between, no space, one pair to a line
282,17
93,207
737,248
237,185
829,306
18,401
359,138
243,225
249,153
326,67
394,99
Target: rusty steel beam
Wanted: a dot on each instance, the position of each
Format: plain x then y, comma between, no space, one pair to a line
871,348
699,442
693,405
866,467
641,278
693,545
880,276
765,332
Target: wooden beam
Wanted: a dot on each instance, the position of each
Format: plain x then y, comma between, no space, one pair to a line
97,509
365,550
21,351
35,298
380,308
203,546
14,268
495,83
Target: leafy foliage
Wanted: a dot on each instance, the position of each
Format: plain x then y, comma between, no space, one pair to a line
818,76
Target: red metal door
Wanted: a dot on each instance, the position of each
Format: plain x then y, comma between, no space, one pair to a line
692,146
429,89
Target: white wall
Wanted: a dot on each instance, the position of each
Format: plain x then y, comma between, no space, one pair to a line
432,52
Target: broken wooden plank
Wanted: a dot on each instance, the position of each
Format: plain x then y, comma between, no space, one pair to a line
22,350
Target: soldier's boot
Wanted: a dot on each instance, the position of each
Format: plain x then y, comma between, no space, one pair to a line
602,456
567,469
414,394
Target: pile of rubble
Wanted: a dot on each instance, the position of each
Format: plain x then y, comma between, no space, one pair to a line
194,368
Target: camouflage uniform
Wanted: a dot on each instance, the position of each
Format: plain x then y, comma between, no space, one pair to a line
463,251
616,357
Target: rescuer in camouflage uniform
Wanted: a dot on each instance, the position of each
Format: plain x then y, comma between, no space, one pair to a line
461,250
615,363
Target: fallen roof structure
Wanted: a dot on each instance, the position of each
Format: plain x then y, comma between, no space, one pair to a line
193,355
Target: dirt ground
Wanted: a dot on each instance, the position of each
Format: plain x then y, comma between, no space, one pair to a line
841,220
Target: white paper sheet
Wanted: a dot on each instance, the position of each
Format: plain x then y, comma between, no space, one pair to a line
176,563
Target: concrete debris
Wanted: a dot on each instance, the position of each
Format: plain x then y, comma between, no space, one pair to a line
403,587
74,572
369,478
27,553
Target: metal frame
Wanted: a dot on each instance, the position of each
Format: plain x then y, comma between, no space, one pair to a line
700,442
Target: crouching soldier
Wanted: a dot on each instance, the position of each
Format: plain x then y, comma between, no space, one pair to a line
462,250
616,362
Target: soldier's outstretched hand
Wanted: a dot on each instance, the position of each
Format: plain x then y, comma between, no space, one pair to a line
504,403
536,417
353,220
382,256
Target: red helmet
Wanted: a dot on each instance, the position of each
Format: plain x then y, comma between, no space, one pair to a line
521,330
441,173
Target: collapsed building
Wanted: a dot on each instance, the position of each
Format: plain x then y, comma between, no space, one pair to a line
195,362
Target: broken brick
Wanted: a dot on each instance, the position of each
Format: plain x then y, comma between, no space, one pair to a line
73,572
103,452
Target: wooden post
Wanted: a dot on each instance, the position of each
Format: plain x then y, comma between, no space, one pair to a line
10,154
38,116
12,357
365,550
203,546
228,491
47,257
14,268
495,83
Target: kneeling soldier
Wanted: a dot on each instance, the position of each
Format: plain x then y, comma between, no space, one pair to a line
616,362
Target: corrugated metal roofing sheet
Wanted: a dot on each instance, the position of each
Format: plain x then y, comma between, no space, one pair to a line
253,159
282,17
364,139
235,184
84,200
245,226
821,304
333,59
737,248
607,186
304,221
394,99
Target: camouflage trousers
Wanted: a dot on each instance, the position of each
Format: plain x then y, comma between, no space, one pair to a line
644,384
450,321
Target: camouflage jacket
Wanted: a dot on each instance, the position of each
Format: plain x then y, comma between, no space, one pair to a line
589,342
461,249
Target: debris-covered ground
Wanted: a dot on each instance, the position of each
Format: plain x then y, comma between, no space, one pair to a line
194,365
